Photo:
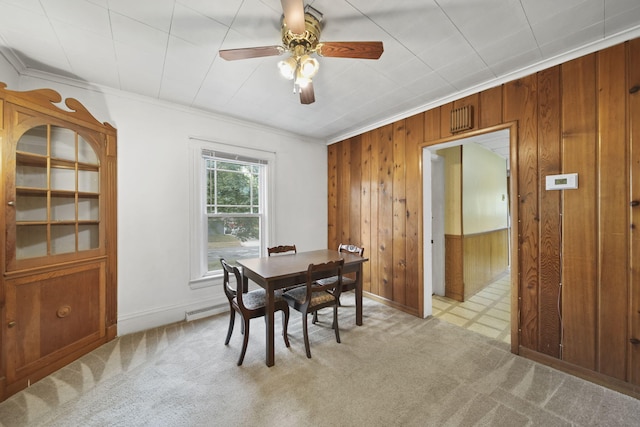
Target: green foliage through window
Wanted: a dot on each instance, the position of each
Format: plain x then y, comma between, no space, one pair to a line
233,208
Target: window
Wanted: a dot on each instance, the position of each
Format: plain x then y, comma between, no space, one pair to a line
233,207
229,207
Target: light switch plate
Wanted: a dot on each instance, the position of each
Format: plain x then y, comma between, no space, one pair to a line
566,181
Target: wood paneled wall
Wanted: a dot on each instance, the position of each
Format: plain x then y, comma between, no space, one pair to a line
581,246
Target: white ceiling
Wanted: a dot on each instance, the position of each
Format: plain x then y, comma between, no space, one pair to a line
434,51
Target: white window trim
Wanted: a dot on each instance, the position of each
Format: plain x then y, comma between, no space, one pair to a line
197,221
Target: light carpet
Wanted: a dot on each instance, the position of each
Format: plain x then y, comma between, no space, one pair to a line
395,370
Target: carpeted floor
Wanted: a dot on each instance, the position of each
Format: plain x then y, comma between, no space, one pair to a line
395,370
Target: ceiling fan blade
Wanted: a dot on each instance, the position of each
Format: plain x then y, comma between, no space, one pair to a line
250,52
294,15
306,94
362,50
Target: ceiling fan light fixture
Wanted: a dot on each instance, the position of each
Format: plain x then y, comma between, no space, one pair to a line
288,67
308,66
302,81
300,29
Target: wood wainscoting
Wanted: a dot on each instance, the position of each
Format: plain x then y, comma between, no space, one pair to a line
486,257
473,261
453,267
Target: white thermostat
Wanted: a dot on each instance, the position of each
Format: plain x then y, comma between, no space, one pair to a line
566,181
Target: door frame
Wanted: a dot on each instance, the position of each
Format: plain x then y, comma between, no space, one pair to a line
513,213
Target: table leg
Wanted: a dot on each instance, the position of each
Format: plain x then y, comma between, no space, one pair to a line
359,297
269,326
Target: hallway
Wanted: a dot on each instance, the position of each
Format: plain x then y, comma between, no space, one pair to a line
487,312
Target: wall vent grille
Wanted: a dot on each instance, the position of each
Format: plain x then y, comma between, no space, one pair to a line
201,313
462,119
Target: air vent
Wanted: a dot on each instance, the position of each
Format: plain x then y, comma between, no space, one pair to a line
201,313
462,119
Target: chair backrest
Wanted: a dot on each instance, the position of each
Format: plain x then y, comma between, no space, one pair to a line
229,289
282,249
351,249
319,271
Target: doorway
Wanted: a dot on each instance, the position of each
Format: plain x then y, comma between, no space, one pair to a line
486,311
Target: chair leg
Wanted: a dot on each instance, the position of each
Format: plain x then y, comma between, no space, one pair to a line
306,335
232,318
245,341
285,323
335,322
315,317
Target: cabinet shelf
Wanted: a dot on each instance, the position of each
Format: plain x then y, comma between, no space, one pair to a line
30,223
31,190
44,191
31,159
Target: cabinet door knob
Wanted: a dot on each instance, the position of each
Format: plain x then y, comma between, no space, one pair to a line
11,324
635,203
634,341
11,203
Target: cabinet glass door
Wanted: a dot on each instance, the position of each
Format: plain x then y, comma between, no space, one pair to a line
57,200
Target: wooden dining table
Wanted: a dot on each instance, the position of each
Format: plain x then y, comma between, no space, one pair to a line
281,271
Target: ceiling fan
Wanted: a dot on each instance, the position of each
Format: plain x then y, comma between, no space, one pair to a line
301,27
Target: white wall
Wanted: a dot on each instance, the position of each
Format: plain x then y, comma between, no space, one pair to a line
484,190
154,172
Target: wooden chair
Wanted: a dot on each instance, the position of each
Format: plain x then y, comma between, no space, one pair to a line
282,249
249,305
314,296
348,283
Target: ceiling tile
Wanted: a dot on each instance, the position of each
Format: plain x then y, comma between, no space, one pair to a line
139,68
32,39
126,30
84,50
620,15
570,41
196,28
465,72
513,63
538,11
500,50
568,22
33,6
87,16
447,50
155,13
221,11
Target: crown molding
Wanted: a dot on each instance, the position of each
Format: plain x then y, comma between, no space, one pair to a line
11,58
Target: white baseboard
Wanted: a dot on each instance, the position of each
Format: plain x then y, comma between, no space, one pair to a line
143,320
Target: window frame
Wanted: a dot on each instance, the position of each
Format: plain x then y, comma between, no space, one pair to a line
200,277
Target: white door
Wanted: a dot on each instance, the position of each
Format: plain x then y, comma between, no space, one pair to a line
437,223
433,221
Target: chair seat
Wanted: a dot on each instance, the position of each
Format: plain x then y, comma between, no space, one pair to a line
346,281
300,293
258,298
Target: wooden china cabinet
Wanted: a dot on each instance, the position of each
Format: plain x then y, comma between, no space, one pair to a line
58,216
